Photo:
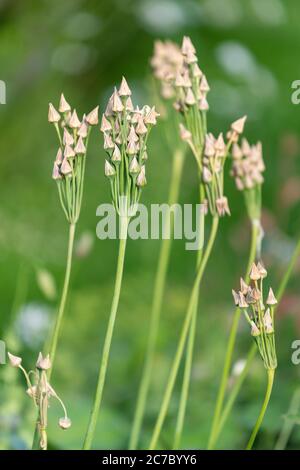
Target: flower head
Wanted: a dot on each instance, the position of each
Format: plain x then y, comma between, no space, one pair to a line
261,319
125,130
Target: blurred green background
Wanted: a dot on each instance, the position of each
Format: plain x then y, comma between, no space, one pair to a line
249,51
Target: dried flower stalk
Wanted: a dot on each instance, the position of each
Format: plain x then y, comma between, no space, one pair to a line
126,130
41,393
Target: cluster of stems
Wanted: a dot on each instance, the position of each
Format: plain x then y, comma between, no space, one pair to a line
182,79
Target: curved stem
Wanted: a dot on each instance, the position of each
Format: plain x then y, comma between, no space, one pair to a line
107,343
183,337
159,287
263,410
230,346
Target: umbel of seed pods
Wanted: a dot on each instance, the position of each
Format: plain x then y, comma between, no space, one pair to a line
259,313
69,164
126,129
190,87
41,392
248,165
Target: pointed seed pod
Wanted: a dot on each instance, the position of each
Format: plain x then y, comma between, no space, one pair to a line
59,157
116,155
134,166
141,129
187,46
271,300
244,287
254,273
238,125
69,152
53,115
43,362
141,179
262,270
92,118
74,122
15,361
242,301
132,135
117,105
83,129
109,170
105,124
67,138
124,89
64,106
56,173
80,148
190,99
65,168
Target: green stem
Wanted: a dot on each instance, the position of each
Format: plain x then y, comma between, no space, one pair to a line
188,360
108,339
61,309
251,354
289,271
183,337
230,346
159,287
263,410
235,390
289,422
186,378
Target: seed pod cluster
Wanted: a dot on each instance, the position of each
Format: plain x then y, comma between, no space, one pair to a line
126,130
248,165
41,392
69,164
259,313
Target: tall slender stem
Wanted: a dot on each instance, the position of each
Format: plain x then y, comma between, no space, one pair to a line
61,309
183,337
108,339
234,393
188,360
230,346
159,288
263,410
186,378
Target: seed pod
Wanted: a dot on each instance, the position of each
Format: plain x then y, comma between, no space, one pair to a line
92,118
124,89
271,300
15,361
63,105
109,170
53,115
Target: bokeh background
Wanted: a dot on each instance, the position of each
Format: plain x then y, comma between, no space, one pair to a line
249,51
